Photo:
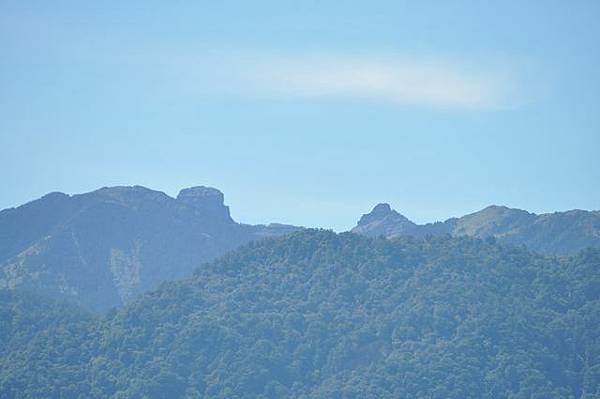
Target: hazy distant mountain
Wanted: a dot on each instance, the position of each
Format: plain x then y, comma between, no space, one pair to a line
104,247
558,233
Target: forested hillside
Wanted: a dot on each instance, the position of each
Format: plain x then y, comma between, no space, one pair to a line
322,315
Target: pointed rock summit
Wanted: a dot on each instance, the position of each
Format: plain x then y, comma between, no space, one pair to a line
383,220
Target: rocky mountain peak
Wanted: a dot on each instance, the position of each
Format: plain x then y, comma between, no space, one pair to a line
382,209
205,199
380,212
383,220
200,193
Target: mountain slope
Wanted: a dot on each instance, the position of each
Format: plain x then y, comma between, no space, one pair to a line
105,247
558,233
320,315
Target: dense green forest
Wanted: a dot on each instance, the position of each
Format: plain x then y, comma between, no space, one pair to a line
325,315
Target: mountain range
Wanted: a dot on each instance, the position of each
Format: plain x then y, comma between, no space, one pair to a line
558,233
126,292
103,248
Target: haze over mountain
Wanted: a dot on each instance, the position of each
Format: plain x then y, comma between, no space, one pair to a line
557,233
104,247
324,315
309,113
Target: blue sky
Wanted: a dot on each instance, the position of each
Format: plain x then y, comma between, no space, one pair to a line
306,113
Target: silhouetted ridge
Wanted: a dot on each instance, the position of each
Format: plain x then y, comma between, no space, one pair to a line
556,233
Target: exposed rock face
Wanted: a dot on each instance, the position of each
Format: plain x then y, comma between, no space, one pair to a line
105,247
205,200
125,268
558,233
382,220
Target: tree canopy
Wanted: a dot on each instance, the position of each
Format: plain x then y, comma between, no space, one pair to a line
325,315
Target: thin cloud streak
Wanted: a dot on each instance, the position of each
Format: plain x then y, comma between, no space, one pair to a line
392,79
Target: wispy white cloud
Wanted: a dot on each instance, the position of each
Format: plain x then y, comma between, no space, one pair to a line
401,80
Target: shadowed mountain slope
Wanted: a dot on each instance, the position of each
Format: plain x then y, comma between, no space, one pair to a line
103,248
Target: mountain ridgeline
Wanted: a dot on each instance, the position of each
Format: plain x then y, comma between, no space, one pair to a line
103,248
324,315
558,233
